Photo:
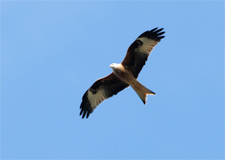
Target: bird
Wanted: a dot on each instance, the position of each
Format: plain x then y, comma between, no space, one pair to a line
124,74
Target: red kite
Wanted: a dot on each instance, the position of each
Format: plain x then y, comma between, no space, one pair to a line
124,74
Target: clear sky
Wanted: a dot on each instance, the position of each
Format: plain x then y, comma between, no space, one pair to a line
53,51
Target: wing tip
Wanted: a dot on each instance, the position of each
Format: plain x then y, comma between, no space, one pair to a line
84,113
85,106
154,34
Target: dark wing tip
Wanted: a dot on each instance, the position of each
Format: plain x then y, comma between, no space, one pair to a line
84,113
153,29
85,107
154,34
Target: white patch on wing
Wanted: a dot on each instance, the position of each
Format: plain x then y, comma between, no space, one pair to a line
147,46
96,99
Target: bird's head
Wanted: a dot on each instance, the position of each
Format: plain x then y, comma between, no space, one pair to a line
113,65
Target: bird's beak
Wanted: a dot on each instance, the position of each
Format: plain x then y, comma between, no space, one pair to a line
111,65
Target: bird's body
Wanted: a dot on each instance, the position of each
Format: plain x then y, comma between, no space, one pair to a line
124,74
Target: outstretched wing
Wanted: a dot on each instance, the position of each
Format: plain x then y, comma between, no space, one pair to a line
102,89
140,49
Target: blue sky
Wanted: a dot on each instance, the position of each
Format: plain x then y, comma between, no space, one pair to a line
53,51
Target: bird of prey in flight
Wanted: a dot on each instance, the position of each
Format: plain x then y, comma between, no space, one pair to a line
124,74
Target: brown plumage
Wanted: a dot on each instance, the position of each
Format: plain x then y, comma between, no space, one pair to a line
124,74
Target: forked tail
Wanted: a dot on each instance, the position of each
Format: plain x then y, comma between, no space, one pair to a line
141,90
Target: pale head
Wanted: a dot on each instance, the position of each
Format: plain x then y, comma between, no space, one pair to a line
113,65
